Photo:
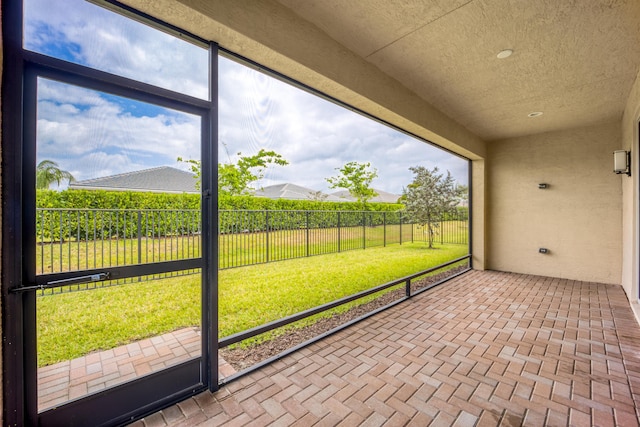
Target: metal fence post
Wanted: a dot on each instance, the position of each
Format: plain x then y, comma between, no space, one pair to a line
83,234
61,238
139,238
338,231
384,229
307,232
266,230
364,230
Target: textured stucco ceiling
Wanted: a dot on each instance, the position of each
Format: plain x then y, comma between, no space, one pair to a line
574,60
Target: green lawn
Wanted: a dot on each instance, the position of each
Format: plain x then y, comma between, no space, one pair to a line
73,324
235,250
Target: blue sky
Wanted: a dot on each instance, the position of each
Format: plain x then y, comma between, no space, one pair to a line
94,134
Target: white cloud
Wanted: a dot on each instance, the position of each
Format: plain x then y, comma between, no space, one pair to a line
95,135
87,34
76,134
314,135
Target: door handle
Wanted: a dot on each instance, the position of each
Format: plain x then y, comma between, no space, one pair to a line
64,282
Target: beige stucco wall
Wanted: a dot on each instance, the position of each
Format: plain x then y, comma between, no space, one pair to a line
478,214
630,196
578,218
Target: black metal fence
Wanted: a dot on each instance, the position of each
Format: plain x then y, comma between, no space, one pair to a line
82,239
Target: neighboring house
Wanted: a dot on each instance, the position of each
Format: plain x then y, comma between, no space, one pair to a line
163,179
382,197
294,192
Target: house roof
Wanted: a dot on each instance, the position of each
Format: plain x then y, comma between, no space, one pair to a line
293,192
382,197
163,179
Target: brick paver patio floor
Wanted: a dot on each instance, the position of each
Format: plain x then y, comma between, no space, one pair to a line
68,380
484,349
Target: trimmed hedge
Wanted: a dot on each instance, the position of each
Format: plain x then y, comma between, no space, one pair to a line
88,215
262,203
245,221
99,199
91,215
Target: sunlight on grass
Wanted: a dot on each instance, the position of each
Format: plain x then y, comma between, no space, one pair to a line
74,324
251,296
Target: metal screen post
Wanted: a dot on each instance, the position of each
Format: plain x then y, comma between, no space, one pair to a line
407,288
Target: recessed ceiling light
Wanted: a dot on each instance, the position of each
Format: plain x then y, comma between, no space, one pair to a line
505,53
535,114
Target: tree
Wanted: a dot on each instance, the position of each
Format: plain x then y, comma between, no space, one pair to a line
356,178
462,191
196,169
428,198
318,196
48,172
235,178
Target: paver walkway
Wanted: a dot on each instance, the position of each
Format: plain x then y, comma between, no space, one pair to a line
484,349
68,380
